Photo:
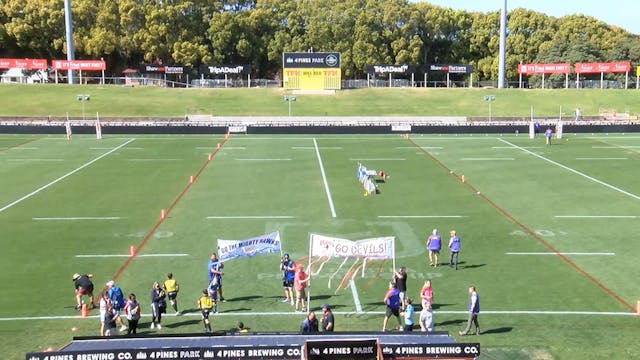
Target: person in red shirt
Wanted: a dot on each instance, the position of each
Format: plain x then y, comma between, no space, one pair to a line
300,281
426,294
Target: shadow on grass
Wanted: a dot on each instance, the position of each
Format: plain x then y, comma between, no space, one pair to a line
500,330
451,322
244,298
181,323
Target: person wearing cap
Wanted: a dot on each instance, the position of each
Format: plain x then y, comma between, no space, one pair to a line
328,320
454,249
433,247
83,286
116,295
287,266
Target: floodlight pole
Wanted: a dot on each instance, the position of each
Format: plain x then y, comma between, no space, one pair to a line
289,99
68,25
83,98
503,46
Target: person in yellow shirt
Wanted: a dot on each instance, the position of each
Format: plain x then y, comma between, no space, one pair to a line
171,287
205,304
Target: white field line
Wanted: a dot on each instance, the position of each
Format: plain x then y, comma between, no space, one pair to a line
28,160
253,217
487,159
610,158
420,147
292,313
107,148
25,148
596,216
226,148
312,148
511,147
127,255
574,171
64,176
419,216
378,159
563,253
616,147
259,159
356,298
324,179
77,218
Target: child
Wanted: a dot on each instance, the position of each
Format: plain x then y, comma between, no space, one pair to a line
205,304
300,283
407,314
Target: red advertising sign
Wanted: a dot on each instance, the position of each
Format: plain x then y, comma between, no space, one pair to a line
29,64
86,65
544,68
593,68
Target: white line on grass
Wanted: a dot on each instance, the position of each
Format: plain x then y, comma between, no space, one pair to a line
77,218
610,158
258,159
487,159
291,313
356,298
63,176
563,253
312,148
127,255
418,216
615,147
597,216
253,217
379,159
419,147
574,171
324,179
108,148
511,147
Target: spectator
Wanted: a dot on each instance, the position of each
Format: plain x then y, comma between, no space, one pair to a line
433,247
104,303
83,286
117,301
400,279
426,294
474,309
158,305
309,324
392,303
300,284
132,310
426,318
454,249
171,287
287,267
215,270
328,321
407,314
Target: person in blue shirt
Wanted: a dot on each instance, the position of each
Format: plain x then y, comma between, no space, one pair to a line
214,268
407,314
392,302
434,244
454,249
309,324
474,309
547,135
287,266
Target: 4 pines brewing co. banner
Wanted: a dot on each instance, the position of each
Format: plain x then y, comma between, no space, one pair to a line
235,249
311,71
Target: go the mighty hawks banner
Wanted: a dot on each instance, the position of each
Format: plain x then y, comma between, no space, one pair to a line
373,248
235,249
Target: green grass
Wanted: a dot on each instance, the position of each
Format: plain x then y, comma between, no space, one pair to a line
112,101
523,187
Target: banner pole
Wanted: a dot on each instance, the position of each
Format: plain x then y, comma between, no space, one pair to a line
309,270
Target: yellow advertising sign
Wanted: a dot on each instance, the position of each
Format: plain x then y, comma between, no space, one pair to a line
311,71
637,70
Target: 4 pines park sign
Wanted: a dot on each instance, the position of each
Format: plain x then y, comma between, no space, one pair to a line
311,71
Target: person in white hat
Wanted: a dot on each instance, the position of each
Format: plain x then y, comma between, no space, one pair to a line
83,286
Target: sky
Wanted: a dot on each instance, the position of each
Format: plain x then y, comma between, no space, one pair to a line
622,13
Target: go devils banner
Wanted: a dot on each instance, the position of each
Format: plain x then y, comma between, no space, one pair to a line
235,249
373,248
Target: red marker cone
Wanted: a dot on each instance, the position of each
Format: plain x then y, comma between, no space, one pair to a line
163,214
462,178
638,308
218,146
84,310
209,157
191,179
132,250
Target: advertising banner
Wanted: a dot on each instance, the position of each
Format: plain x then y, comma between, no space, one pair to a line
225,69
594,68
450,68
84,65
390,69
311,71
544,68
163,69
28,64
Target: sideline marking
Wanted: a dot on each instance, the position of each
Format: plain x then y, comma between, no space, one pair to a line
616,147
486,159
249,159
596,216
563,253
601,158
312,148
573,171
77,218
253,217
418,216
422,147
64,176
127,255
324,179
281,313
356,298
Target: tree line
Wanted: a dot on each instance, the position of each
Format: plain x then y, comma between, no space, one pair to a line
256,32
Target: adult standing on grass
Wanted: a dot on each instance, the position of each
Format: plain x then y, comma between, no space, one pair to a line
287,266
309,324
171,287
392,302
117,301
132,309
158,305
547,135
400,279
454,249
328,320
426,294
300,284
215,267
83,286
474,309
434,244
426,318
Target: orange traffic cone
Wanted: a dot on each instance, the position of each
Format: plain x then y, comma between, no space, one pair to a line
84,310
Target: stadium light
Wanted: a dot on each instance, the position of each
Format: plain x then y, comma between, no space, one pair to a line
289,99
489,99
83,98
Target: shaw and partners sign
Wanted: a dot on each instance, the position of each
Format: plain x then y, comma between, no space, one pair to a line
163,69
450,68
